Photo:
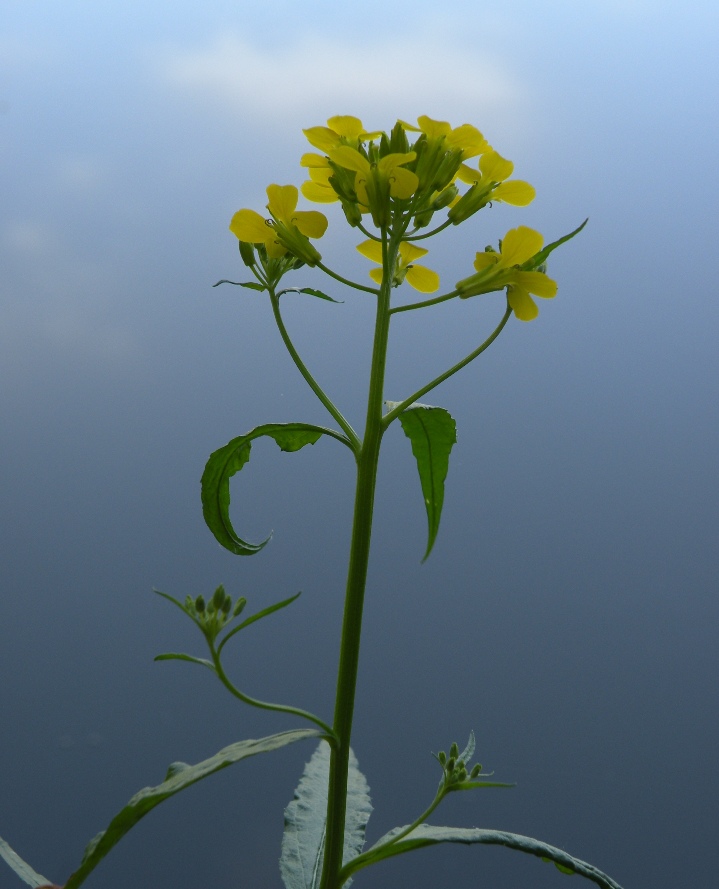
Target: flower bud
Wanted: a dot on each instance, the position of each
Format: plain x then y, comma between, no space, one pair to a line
200,604
247,252
454,751
442,757
218,598
476,769
445,197
239,606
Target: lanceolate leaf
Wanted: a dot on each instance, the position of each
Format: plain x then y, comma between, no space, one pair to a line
543,254
432,432
309,290
21,868
305,820
225,462
179,776
251,285
427,835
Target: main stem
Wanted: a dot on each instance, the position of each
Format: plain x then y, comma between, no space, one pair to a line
367,461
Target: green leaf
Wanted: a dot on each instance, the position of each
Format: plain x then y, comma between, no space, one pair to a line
427,835
172,656
179,776
255,617
432,432
543,254
305,819
251,285
228,460
21,868
311,291
468,752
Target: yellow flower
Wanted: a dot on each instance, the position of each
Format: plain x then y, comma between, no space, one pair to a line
417,276
343,129
504,269
488,184
466,137
376,182
289,228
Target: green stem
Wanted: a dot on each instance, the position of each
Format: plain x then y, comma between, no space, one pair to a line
429,234
403,405
367,462
265,705
346,281
311,382
366,857
426,302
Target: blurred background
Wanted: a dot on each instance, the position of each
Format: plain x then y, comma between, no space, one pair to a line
569,611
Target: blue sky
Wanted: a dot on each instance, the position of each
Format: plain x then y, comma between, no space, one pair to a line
569,612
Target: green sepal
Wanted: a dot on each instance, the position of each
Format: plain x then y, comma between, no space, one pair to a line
427,835
251,285
311,291
225,462
432,432
541,257
180,776
20,867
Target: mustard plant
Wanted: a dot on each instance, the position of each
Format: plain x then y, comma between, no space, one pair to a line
397,189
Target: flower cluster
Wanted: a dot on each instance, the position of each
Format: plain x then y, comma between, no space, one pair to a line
400,179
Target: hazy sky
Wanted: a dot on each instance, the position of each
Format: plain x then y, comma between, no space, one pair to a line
569,611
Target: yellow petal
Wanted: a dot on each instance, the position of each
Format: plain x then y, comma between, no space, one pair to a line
402,183
250,227
422,278
516,192
282,201
434,129
320,194
396,159
537,283
522,304
350,159
376,275
466,174
485,260
346,125
372,250
313,160
520,244
410,252
321,175
311,223
274,249
322,138
495,167
469,139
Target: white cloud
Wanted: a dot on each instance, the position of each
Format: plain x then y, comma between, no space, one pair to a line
315,78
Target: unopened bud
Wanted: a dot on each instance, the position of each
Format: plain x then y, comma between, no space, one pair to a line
475,771
218,598
239,606
247,252
445,197
200,605
442,757
450,764
454,751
